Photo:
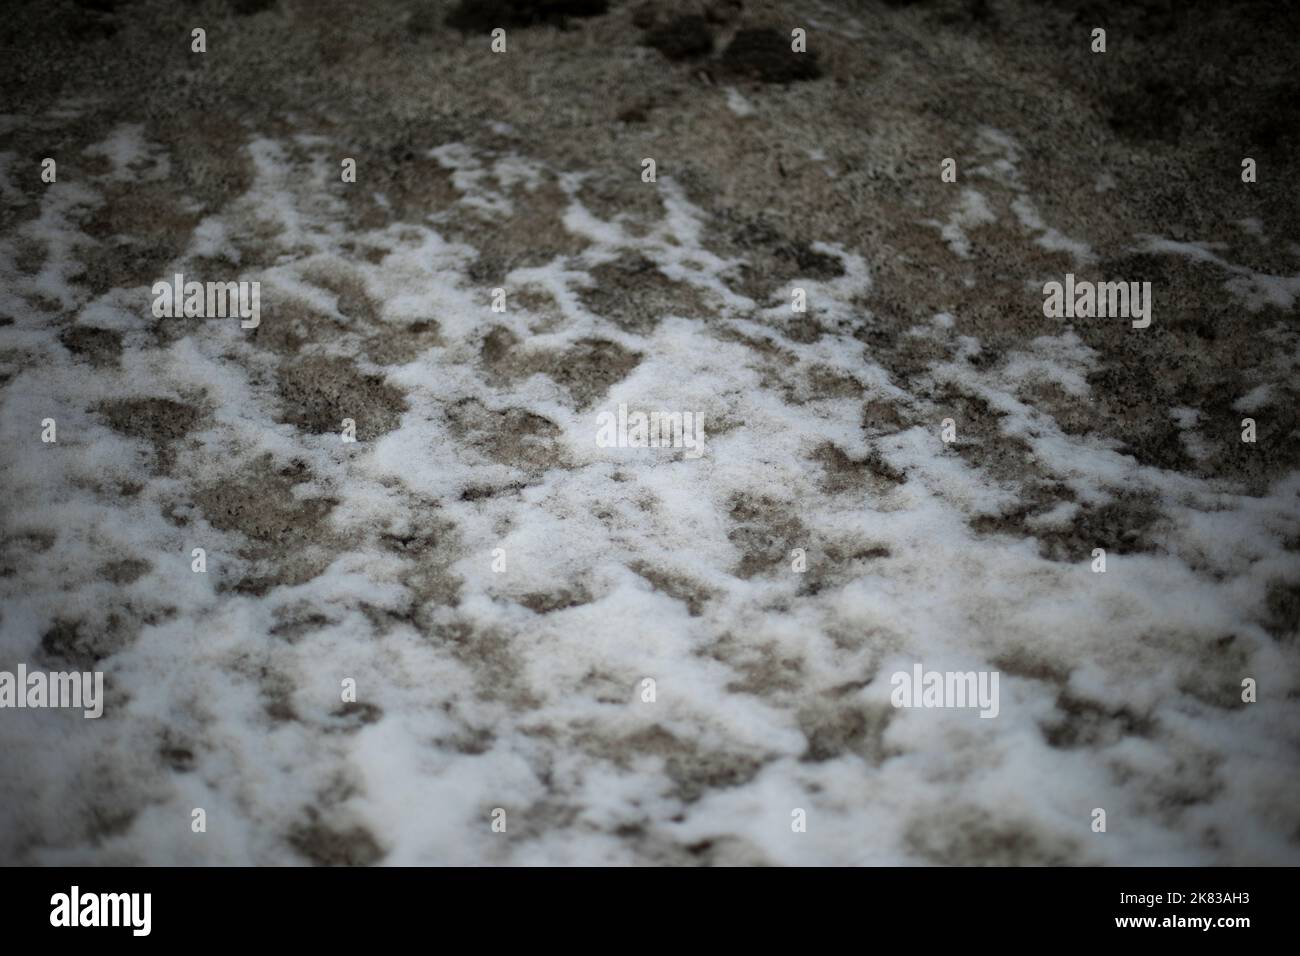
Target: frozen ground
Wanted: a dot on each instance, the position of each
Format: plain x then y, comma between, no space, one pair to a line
521,689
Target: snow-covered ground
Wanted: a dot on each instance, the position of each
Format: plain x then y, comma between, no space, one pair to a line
499,586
